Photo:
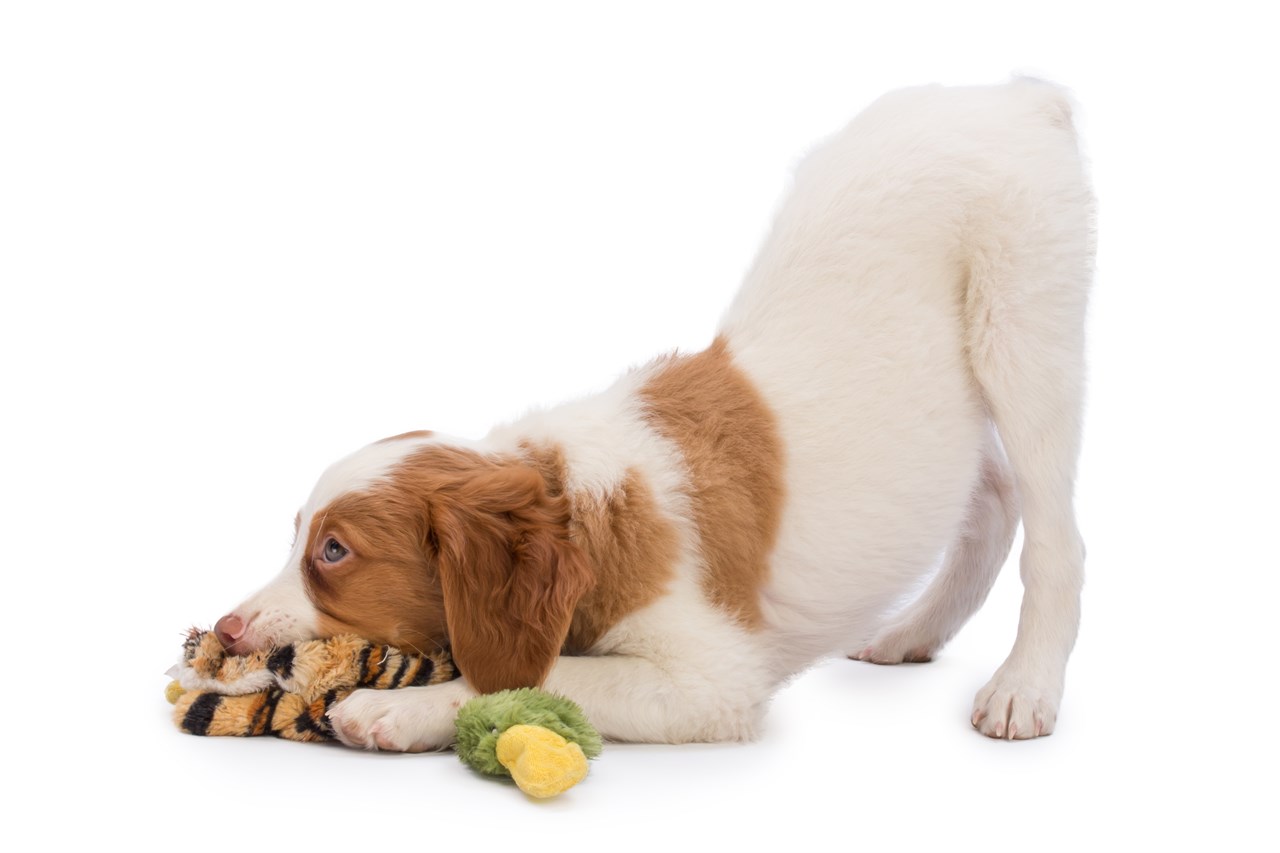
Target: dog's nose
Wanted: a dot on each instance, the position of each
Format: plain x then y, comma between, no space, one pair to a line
229,629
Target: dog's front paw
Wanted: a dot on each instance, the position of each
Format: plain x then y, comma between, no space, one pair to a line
1016,707
412,719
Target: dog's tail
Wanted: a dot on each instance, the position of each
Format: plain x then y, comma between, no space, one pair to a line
1054,101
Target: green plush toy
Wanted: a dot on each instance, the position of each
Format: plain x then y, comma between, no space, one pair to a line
542,741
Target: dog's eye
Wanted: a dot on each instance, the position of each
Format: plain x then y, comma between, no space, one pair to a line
333,551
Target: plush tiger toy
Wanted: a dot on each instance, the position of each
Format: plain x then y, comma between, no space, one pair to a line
287,691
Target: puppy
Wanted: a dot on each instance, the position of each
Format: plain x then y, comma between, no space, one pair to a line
898,381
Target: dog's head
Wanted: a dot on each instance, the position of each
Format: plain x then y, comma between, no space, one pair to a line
421,544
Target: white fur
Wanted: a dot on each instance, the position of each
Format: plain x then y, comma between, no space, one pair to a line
923,289
254,682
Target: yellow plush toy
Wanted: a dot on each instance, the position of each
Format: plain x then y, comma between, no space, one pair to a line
541,762
542,741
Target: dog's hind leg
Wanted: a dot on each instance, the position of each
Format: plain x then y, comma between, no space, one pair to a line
1026,296
969,570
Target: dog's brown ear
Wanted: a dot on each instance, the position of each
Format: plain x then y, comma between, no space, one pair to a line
510,576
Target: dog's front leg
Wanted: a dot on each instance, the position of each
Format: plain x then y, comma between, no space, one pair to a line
641,701
626,698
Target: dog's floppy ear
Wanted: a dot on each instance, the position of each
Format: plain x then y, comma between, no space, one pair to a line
510,576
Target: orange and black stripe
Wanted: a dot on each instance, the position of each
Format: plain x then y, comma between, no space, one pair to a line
293,715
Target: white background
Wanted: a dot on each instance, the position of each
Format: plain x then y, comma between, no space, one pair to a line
238,240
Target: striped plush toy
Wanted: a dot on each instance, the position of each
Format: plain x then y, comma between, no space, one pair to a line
287,691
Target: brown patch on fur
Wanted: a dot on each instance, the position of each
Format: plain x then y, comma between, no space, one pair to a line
547,460
455,546
632,549
385,588
417,433
709,408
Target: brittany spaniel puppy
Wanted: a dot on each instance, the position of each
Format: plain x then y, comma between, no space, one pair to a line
897,383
